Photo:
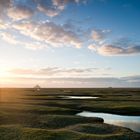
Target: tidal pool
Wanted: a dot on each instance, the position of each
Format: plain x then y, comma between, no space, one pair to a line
132,122
79,97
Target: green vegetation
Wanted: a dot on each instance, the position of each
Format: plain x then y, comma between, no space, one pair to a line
26,114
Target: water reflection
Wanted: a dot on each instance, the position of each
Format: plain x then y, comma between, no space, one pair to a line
79,97
132,122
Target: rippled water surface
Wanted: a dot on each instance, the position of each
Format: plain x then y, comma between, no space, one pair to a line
132,122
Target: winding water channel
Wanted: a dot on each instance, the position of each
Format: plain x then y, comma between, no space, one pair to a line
132,122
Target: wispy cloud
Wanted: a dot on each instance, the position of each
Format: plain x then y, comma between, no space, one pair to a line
54,7
20,12
3,25
112,50
4,4
51,9
50,33
115,47
99,35
11,39
61,72
130,81
8,38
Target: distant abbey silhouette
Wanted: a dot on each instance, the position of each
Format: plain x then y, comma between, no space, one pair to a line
37,88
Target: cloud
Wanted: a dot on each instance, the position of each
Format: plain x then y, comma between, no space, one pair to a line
50,11
4,4
54,7
3,25
60,72
50,33
92,47
129,81
98,34
20,12
34,46
119,47
45,34
132,79
113,50
52,70
60,3
9,38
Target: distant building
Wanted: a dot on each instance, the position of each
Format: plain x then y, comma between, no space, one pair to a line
37,88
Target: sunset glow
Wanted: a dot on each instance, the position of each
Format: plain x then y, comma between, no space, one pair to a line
64,43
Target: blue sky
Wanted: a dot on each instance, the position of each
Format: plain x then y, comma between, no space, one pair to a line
70,43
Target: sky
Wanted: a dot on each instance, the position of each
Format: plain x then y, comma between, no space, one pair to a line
70,43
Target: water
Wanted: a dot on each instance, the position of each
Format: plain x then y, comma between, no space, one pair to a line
132,122
79,97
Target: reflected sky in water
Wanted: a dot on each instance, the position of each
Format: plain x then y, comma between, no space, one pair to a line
132,122
79,97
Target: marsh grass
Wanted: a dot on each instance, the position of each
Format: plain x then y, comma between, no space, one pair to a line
29,115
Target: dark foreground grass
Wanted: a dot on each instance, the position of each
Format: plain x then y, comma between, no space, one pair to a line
26,114
15,132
